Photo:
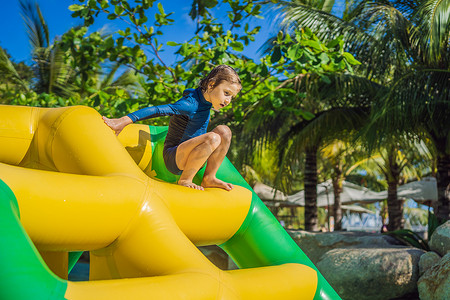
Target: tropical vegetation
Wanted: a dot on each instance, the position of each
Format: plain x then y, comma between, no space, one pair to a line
330,97
400,92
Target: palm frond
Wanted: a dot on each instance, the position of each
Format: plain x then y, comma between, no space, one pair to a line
60,74
109,77
262,129
37,29
53,74
348,90
419,101
323,24
431,35
338,123
390,29
8,70
420,94
406,7
127,80
327,125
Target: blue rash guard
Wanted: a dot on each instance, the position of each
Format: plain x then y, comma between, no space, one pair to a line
189,118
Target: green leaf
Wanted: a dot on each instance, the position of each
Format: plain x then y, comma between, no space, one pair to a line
295,52
118,10
287,38
160,8
325,79
334,42
170,43
219,41
109,43
280,36
351,59
76,7
313,44
276,55
324,58
210,3
410,238
307,115
264,71
120,93
184,50
276,102
237,46
159,88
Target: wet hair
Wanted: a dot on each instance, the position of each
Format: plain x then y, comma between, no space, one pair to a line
218,75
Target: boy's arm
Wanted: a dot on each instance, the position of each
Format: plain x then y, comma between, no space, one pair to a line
184,106
181,107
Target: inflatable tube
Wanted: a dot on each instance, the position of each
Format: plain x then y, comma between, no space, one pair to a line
79,188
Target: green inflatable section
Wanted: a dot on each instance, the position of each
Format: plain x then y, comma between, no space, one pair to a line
23,273
261,240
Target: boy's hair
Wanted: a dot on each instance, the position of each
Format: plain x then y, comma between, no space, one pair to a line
218,75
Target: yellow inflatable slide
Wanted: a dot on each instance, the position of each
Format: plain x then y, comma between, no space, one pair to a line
68,184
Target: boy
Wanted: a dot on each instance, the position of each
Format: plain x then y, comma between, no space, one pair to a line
188,146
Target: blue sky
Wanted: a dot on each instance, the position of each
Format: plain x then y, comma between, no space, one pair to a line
13,36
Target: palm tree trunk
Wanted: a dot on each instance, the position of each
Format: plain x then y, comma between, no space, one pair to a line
337,209
311,189
395,205
395,208
443,186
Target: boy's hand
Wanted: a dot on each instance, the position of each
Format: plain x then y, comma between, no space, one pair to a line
117,124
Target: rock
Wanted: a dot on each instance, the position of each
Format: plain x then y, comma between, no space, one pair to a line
428,260
371,273
440,240
315,244
435,282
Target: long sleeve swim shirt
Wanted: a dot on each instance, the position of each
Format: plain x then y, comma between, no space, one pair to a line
189,116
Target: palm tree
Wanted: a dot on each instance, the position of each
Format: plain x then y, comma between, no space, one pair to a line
397,162
323,101
308,137
299,140
405,48
335,116
53,75
339,158
418,101
55,66
12,78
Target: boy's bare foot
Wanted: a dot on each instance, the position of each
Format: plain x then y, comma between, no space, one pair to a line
190,184
213,182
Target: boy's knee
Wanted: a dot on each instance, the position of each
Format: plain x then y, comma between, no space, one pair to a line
224,132
213,139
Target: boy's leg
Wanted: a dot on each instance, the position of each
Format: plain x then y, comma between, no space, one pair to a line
192,155
216,159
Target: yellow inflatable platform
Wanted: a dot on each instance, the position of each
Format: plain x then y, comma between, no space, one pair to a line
68,184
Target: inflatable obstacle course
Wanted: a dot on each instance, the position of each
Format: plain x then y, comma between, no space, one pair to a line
70,185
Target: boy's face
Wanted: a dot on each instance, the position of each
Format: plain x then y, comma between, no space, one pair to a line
221,95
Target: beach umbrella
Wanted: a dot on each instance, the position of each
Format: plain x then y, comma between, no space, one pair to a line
351,193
